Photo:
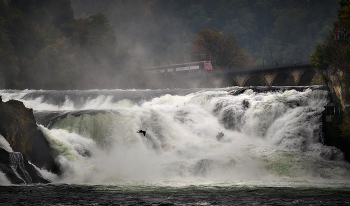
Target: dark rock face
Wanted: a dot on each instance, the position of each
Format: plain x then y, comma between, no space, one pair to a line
19,128
17,168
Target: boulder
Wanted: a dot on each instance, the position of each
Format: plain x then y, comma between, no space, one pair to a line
19,128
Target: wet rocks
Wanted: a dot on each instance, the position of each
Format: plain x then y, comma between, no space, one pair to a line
19,128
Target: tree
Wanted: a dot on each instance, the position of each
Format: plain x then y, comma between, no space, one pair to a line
31,27
9,60
344,14
102,39
224,49
335,52
82,33
57,68
197,17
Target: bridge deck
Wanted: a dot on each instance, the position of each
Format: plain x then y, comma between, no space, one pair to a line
221,72
270,67
297,74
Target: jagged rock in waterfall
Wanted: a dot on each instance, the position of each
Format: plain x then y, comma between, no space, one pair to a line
19,128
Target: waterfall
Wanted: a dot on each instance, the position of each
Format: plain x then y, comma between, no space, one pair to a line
200,136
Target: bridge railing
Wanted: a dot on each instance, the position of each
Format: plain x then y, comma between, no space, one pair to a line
235,70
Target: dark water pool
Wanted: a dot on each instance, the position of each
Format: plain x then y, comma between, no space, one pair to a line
104,195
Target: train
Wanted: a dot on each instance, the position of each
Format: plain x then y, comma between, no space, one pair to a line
190,66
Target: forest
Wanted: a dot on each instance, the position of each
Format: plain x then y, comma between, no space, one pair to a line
104,44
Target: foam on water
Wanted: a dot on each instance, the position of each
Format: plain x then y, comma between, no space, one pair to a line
4,180
205,137
5,144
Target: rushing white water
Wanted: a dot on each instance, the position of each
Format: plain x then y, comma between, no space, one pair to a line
16,162
193,137
5,144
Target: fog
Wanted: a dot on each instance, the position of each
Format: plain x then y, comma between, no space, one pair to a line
96,44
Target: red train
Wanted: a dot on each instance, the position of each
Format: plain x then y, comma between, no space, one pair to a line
207,65
201,66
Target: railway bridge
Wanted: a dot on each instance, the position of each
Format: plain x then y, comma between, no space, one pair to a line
293,74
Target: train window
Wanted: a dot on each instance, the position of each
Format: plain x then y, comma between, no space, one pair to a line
207,64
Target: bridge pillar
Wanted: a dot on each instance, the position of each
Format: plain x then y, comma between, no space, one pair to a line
241,79
269,77
296,74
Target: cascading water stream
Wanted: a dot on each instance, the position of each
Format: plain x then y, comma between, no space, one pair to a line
201,136
17,165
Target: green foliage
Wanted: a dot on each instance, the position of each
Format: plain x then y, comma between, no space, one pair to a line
197,17
58,65
8,63
42,46
335,52
102,35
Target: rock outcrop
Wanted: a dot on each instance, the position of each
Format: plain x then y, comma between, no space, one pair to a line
337,110
338,90
19,128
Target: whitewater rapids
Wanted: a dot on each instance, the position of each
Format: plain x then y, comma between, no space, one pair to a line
194,137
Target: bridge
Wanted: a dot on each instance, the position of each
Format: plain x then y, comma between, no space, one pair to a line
292,74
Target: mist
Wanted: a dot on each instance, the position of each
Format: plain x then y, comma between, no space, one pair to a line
95,44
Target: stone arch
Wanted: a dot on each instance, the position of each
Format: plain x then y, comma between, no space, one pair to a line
280,79
255,80
306,77
228,82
